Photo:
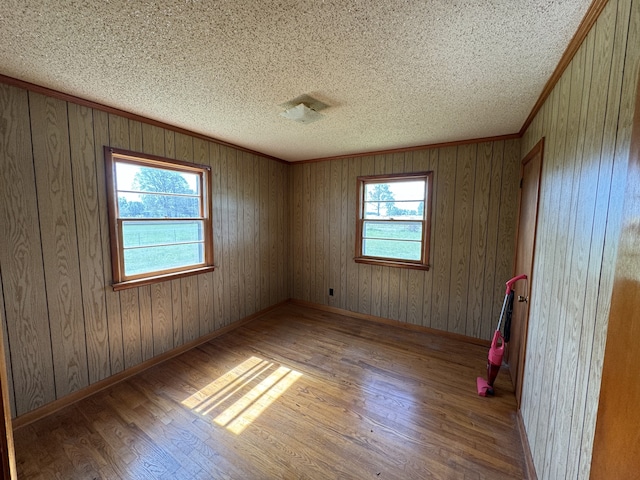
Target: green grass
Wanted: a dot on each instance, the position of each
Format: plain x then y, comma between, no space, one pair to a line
157,252
392,240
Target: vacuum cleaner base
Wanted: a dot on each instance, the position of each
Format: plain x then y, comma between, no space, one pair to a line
484,389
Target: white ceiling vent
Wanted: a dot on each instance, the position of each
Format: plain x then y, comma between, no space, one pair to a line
303,109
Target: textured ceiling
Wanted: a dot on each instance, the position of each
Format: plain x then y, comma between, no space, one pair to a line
394,73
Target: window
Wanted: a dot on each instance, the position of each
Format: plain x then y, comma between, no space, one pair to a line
394,220
159,218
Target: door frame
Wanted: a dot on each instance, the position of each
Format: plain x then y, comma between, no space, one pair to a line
521,354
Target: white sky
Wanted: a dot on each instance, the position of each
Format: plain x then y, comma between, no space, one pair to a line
125,173
413,190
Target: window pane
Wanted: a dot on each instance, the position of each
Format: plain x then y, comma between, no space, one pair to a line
399,230
143,234
402,210
154,259
407,190
138,178
400,200
403,250
147,205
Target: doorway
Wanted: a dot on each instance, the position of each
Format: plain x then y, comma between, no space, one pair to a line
525,245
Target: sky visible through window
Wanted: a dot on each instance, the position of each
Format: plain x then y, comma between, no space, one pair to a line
125,175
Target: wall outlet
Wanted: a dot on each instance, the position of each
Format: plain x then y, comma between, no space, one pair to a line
331,292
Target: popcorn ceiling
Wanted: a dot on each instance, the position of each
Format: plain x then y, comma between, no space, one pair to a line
394,74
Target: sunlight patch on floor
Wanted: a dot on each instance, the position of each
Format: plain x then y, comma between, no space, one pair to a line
227,396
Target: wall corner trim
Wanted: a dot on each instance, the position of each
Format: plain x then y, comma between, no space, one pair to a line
589,20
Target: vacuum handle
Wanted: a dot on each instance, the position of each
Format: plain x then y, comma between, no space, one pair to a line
512,281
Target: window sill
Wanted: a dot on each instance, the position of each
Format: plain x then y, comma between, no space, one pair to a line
391,263
141,282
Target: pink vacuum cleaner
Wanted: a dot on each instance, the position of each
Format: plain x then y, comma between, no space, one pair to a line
496,351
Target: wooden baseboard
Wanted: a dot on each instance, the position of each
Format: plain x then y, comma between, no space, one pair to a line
67,400
530,467
61,403
395,323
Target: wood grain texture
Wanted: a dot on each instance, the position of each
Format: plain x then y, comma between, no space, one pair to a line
225,257
479,222
233,265
393,415
54,185
8,380
146,322
112,299
105,109
460,253
490,298
206,318
25,309
443,212
592,15
251,206
218,246
586,121
335,232
83,162
616,452
7,448
55,203
264,234
421,298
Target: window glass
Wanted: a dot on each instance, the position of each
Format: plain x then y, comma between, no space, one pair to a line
159,216
393,221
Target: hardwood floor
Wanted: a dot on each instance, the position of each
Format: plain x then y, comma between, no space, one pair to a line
296,394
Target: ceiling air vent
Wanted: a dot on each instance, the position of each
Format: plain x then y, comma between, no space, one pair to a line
303,109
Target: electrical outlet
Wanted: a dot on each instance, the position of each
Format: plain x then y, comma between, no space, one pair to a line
331,292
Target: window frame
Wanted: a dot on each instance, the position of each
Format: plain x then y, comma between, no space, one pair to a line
121,281
362,181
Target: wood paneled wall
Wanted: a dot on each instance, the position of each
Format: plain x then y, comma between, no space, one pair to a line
65,327
587,124
472,239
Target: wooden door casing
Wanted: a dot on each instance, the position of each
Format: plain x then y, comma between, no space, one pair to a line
523,264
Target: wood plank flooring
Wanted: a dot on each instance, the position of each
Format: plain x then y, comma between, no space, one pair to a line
296,394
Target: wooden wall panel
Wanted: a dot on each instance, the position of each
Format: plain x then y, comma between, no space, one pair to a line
586,124
491,253
112,299
615,156
264,234
218,245
83,163
352,268
7,359
54,185
251,205
206,287
479,221
467,203
335,234
26,313
232,212
461,242
66,328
